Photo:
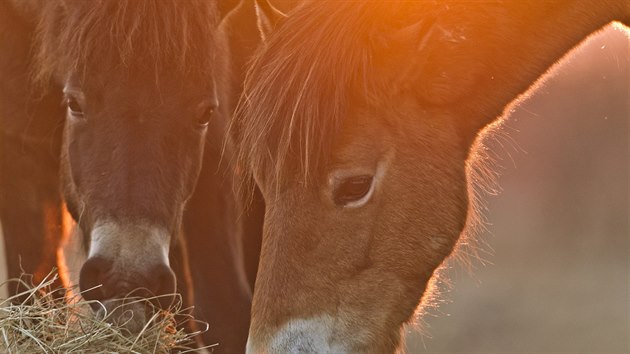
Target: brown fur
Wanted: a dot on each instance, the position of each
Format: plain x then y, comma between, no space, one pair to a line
146,74
168,35
349,86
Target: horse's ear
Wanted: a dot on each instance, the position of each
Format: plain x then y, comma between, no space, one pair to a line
440,62
268,17
225,6
402,48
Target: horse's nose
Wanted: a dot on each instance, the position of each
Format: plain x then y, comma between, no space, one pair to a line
163,284
100,280
92,277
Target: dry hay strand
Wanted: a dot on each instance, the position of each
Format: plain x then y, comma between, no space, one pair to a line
41,320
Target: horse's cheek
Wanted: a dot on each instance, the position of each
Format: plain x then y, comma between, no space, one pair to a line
436,199
75,156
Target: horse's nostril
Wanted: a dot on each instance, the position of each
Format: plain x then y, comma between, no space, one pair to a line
98,281
92,278
163,284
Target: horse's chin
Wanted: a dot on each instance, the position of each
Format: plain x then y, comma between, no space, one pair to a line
131,317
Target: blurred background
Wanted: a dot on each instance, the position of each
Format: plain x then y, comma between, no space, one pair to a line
557,258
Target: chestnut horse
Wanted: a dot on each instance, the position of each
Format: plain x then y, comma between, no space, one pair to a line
357,123
145,86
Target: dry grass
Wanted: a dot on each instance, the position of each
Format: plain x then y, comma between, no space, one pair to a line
45,322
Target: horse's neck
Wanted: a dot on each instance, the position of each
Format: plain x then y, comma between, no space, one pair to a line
536,35
548,33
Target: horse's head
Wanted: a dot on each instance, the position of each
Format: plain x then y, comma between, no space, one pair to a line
347,256
357,125
141,82
352,131
131,157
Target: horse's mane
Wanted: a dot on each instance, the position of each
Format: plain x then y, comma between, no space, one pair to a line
105,34
300,83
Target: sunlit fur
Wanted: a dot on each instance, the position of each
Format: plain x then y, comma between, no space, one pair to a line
354,85
293,106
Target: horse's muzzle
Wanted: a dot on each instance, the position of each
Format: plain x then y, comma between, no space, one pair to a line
99,282
127,273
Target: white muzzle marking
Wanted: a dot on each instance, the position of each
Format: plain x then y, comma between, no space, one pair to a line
130,243
314,335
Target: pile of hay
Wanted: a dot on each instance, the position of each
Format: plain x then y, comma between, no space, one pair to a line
45,322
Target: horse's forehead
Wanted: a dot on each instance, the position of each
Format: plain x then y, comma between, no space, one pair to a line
146,84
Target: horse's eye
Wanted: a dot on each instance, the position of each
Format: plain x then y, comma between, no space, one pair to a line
74,107
352,189
204,118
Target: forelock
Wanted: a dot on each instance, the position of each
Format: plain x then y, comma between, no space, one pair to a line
166,35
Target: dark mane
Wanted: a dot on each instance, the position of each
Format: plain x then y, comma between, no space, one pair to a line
299,85
105,34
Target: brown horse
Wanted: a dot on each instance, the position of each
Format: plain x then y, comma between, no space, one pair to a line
357,123
146,87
